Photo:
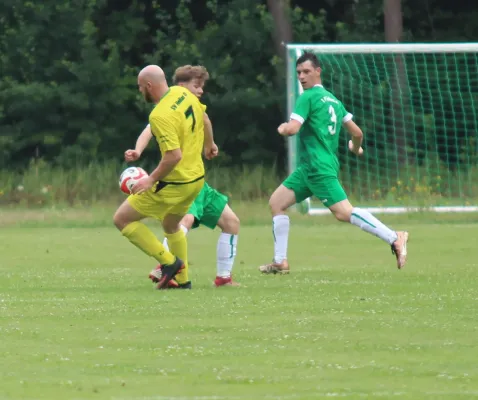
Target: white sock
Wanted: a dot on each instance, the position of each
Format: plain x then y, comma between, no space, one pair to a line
226,252
368,223
165,241
280,230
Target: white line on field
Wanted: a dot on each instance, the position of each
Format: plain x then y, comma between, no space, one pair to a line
301,395
267,397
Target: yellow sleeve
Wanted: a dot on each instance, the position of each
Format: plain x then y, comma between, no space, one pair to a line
204,107
166,129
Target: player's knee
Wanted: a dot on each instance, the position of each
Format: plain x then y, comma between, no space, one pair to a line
342,210
275,206
342,215
188,221
231,224
170,227
281,200
171,223
119,220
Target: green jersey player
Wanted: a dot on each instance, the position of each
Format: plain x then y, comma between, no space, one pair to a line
210,209
318,118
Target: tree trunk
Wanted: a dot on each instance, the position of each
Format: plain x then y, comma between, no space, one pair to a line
282,27
392,10
393,22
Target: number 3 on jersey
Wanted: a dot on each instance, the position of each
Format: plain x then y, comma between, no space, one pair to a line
190,113
333,119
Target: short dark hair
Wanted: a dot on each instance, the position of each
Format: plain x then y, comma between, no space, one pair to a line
307,56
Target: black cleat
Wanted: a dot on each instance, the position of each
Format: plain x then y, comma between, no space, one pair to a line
175,285
169,271
186,285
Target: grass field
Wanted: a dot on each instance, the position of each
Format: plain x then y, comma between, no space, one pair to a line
80,320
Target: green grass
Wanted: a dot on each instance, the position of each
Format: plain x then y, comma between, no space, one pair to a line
80,320
43,185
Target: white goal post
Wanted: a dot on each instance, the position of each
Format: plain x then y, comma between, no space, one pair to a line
421,101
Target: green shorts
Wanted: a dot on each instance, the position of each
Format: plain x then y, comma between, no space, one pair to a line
208,207
326,188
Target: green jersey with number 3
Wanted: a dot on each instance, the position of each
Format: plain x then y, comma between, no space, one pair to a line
322,116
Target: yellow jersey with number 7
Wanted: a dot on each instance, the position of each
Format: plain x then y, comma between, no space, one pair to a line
177,123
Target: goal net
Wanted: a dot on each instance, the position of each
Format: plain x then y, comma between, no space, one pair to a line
417,106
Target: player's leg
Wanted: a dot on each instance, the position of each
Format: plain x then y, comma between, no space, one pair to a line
226,247
345,212
171,224
155,275
186,224
213,211
194,214
127,220
330,191
293,190
177,244
282,198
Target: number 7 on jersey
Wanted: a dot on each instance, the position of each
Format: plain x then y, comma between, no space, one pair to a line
190,113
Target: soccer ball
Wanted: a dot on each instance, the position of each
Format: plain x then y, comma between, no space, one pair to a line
129,177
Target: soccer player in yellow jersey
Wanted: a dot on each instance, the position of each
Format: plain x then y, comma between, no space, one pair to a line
210,208
168,192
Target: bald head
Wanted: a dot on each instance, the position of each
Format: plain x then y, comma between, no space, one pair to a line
152,83
152,73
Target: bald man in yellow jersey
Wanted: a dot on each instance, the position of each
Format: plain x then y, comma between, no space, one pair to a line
178,125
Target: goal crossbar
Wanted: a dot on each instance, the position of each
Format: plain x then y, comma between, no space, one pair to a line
383,48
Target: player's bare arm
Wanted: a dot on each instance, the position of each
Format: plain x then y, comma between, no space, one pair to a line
355,145
141,143
289,128
210,148
208,133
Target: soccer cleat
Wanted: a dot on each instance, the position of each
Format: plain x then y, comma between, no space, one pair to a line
275,268
186,285
156,274
399,248
221,281
168,272
172,284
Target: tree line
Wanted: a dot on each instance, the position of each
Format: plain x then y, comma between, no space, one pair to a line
68,92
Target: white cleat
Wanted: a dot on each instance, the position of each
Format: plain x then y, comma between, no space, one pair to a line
275,268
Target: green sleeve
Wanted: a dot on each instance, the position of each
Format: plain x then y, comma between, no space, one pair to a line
302,108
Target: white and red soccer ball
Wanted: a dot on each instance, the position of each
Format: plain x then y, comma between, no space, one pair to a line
129,177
